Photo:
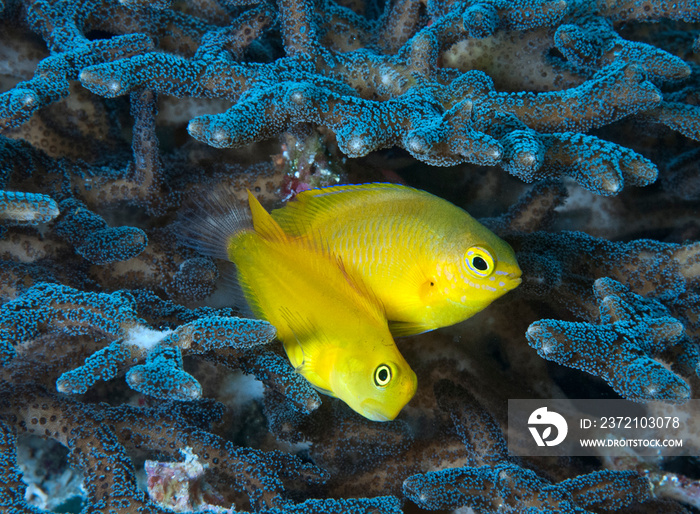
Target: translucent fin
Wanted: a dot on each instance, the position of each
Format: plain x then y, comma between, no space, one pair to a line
263,222
210,226
407,328
310,339
231,290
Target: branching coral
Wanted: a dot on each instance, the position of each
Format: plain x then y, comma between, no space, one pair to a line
98,446
626,348
117,116
630,341
494,482
123,341
29,208
440,117
507,486
54,315
560,264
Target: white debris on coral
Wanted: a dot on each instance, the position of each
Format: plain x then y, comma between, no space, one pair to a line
181,486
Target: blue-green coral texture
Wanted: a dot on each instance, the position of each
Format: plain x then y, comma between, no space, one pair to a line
569,127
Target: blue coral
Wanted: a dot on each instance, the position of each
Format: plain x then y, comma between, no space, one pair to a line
623,350
380,505
119,116
489,489
27,208
44,307
51,80
94,239
162,376
129,340
430,126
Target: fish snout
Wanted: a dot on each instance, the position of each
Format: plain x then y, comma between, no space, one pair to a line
509,276
512,281
388,409
377,416
377,411
507,279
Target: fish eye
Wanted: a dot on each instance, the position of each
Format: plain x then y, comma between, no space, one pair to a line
479,261
382,375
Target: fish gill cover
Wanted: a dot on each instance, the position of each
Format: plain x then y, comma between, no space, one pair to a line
116,343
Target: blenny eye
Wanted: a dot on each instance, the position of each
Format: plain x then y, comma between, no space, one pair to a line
479,261
382,375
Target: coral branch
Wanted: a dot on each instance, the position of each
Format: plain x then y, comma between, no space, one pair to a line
552,117
26,208
624,350
489,489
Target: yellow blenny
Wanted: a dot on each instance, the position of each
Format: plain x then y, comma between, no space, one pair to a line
428,261
331,326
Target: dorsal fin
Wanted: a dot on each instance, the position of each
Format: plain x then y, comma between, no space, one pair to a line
263,223
314,205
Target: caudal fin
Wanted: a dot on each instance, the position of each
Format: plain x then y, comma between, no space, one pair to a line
215,221
210,226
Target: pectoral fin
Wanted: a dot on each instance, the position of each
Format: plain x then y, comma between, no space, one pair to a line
307,353
407,328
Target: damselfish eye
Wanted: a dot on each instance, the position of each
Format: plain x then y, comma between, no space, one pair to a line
479,261
382,375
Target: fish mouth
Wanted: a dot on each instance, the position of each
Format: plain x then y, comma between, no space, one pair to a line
513,281
372,411
510,280
506,281
376,416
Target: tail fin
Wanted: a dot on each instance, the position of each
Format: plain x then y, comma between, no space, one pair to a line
210,227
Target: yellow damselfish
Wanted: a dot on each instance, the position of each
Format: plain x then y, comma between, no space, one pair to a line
331,325
428,261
